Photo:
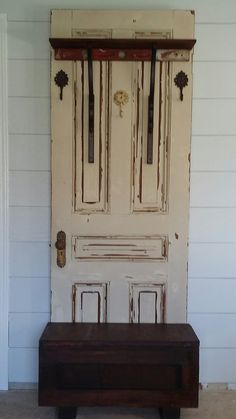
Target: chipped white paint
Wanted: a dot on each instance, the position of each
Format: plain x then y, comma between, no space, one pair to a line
175,55
91,179
150,180
121,208
90,302
120,248
147,302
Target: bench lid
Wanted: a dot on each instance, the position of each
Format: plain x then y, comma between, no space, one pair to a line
94,333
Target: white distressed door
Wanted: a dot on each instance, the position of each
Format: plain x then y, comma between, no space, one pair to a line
125,221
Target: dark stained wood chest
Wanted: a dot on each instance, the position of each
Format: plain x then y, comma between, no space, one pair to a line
114,364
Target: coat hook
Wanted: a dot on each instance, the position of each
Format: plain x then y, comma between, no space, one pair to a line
151,108
90,109
61,80
181,81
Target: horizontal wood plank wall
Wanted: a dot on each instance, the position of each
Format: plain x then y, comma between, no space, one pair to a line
212,268
29,179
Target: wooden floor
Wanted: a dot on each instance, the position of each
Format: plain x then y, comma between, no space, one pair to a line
22,404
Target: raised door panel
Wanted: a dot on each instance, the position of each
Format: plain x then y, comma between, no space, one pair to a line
91,179
147,302
150,180
89,302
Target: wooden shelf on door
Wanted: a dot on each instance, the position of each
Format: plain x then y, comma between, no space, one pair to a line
120,49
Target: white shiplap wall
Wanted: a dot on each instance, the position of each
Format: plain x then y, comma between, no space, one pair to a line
212,262
29,180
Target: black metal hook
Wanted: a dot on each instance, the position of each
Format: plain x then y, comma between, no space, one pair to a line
151,109
61,79
90,109
181,81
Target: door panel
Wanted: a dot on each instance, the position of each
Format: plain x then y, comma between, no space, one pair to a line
91,179
150,180
147,302
126,221
120,248
89,302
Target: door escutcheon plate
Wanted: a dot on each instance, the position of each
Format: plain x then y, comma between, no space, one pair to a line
61,249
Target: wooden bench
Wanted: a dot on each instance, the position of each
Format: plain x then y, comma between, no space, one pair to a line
114,364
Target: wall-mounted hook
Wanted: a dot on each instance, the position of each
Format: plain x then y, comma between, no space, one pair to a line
90,109
61,80
181,81
151,108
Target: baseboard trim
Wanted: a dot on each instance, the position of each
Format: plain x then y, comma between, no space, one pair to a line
217,386
23,386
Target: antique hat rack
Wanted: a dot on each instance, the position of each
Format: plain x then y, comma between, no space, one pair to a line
79,49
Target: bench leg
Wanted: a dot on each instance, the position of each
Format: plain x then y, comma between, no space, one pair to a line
67,412
169,413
